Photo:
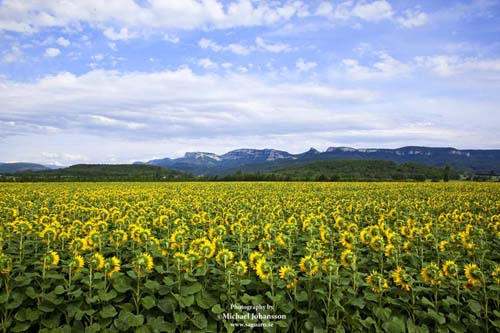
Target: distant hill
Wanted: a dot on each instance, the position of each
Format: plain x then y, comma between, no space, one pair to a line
16,167
363,170
266,160
103,172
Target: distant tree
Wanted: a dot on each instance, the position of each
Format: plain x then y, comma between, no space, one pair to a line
446,174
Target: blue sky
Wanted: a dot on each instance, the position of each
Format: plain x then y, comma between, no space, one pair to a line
122,80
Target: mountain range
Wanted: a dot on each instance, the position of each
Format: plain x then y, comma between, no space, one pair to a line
475,161
265,160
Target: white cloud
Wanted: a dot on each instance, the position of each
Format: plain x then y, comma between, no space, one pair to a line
207,63
303,66
30,16
452,65
387,67
52,52
181,101
63,41
171,38
373,11
413,18
234,48
260,45
14,54
271,47
122,34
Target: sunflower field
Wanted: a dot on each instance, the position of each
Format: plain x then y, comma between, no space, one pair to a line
217,257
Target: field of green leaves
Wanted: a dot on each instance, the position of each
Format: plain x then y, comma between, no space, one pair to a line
216,257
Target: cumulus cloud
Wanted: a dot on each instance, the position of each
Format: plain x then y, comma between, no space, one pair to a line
63,41
386,68
239,49
29,16
304,66
171,38
122,34
52,52
413,18
180,101
260,45
452,65
373,11
207,63
14,54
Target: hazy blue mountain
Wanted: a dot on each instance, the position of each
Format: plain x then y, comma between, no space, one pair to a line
263,160
21,166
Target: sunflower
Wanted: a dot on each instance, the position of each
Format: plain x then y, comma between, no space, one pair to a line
329,265
450,268
378,284
289,275
391,251
309,265
254,257
431,274
78,245
348,259
264,269
76,263
112,265
365,235
240,268
181,261
401,278
207,249
224,256
5,263
97,261
48,234
377,244
118,237
473,274
496,274
442,245
347,240
52,258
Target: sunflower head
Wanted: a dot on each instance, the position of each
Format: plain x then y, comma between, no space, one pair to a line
377,243
473,274
309,265
181,261
348,259
431,274
240,268
76,263
254,257
97,261
329,265
111,266
118,237
496,274
289,275
48,234
224,257
78,245
443,245
5,263
378,284
347,240
263,268
450,268
401,278
52,258
391,251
